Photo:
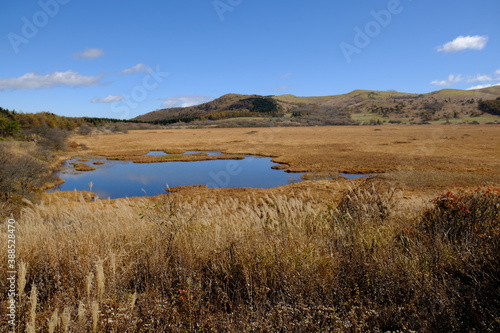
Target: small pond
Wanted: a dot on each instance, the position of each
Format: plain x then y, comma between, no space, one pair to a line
118,179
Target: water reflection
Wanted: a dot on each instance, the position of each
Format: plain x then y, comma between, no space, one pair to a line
209,153
156,153
162,153
116,179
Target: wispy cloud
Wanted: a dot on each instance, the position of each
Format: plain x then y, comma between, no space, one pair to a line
284,76
495,76
462,43
481,86
452,79
89,54
185,100
281,88
139,68
107,99
480,78
55,79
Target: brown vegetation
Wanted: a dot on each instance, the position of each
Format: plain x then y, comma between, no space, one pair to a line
82,167
174,158
23,167
389,253
372,261
437,155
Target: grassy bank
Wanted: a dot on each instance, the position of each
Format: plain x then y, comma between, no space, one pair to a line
373,261
348,149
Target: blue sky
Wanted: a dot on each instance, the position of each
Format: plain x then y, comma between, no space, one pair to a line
119,59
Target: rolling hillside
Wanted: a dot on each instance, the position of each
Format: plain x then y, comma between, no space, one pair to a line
227,106
356,107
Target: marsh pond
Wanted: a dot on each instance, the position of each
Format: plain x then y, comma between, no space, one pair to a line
114,178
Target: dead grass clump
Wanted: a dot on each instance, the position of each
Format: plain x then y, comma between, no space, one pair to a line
82,167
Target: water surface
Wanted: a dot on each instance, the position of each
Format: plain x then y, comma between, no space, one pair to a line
118,179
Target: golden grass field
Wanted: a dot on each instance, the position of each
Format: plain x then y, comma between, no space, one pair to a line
437,154
459,148
367,255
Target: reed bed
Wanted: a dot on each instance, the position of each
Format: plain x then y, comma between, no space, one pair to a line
375,262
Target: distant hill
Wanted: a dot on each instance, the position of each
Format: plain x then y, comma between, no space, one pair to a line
355,107
227,106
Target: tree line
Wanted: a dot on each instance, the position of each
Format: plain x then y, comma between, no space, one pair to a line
22,125
28,144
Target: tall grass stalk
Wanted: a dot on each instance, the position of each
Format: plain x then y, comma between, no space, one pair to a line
82,315
53,321
21,278
100,279
89,282
32,313
95,315
65,319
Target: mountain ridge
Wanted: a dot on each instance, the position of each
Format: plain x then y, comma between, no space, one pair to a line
355,107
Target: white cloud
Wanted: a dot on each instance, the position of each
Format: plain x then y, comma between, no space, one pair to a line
485,77
480,78
481,86
107,99
185,100
464,43
139,68
89,54
55,79
452,79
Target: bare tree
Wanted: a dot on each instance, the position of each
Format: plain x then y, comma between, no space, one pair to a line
53,138
31,173
7,171
85,130
20,173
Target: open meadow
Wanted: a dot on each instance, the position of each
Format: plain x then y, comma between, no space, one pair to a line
438,155
415,247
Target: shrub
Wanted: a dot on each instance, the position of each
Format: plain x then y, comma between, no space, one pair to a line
53,139
21,171
457,246
464,217
85,130
491,106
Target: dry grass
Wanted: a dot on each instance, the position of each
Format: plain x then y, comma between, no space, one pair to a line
367,255
265,262
82,167
174,158
469,150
